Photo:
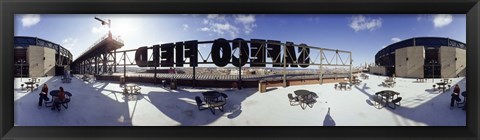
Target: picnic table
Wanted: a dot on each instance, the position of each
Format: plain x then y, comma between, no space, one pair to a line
302,93
365,76
214,100
445,80
356,81
387,96
441,86
54,93
35,80
343,85
29,85
389,83
131,88
306,98
420,79
464,94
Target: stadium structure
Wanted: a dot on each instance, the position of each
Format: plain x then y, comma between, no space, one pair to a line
35,57
422,57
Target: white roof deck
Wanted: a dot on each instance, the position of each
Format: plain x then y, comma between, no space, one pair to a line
101,103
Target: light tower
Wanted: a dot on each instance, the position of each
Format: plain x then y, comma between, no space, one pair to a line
106,23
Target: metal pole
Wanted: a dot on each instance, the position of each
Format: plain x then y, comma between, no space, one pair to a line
321,66
155,73
239,66
125,65
96,65
351,67
21,69
433,71
284,65
194,79
105,61
114,61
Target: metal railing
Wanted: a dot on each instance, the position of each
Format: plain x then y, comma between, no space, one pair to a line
117,38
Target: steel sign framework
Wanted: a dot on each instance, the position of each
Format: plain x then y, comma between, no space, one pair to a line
253,52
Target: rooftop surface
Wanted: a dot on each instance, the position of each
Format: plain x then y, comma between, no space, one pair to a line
101,103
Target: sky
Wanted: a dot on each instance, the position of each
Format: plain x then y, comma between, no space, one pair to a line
362,34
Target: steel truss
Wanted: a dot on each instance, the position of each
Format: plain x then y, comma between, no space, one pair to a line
107,62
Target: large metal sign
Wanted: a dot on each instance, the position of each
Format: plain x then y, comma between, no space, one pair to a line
221,52
253,52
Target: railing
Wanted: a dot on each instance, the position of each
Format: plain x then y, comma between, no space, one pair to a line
117,38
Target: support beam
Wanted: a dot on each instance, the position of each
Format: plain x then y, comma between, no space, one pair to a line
114,61
321,66
96,65
105,61
351,60
284,65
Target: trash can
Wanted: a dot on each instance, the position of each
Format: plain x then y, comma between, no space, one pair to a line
173,84
122,80
262,86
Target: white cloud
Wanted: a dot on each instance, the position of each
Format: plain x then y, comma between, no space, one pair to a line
216,17
316,19
228,25
442,20
384,46
396,39
248,22
185,27
30,20
101,29
421,17
360,23
245,19
205,29
69,43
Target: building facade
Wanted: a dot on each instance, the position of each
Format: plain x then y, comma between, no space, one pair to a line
423,57
35,57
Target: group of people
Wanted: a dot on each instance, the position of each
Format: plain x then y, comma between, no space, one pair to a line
57,99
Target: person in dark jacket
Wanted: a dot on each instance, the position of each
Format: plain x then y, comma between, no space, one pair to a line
59,99
455,96
43,95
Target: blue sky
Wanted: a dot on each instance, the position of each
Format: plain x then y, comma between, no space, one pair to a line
364,35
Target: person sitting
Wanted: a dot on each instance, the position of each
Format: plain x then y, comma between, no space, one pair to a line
455,96
43,95
59,99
